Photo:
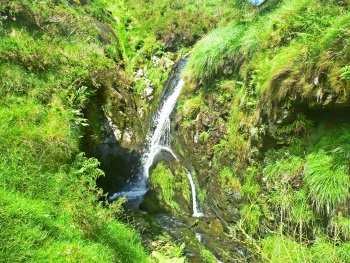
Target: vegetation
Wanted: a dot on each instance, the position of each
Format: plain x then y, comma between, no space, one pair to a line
51,63
265,79
258,82
174,186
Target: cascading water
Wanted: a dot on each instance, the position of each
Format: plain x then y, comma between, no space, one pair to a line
196,212
159,141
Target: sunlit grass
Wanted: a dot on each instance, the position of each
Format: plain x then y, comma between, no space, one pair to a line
49,203
327,182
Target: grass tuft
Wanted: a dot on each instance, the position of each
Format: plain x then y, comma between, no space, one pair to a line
328,184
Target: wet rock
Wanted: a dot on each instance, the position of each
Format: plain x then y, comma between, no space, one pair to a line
208,119
151,203
119,164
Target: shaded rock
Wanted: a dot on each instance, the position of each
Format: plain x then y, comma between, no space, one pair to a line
119,164
151,203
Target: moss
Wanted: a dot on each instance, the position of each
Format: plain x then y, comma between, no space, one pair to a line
191,107
162,177
207,256
174,187
230,181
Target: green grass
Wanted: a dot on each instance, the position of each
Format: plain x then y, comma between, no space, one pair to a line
61,220
279,248
52,64
264,62
208,56
284,249
277,47
328,183
250,218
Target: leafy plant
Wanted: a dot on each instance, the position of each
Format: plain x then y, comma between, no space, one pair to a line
345,72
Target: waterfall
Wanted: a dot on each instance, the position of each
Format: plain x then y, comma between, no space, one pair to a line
159,140
161,135
196,212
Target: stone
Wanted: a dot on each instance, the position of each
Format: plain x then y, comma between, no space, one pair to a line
139,75
196,137
254,132
155,61
166,63
148,91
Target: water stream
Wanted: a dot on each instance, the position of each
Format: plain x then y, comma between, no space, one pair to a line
158,141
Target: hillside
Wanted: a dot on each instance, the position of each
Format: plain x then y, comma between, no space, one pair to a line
53,66
262,124
265,120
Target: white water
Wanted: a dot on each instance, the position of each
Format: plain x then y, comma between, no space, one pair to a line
196,213
160,136
256,2
159,141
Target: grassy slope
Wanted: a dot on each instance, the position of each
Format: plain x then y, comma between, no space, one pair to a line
51,60
295,201
163,29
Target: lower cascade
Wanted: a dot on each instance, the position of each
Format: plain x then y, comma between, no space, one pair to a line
158,141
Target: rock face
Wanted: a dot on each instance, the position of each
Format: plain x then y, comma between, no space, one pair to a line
202,140
120,164
116,140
